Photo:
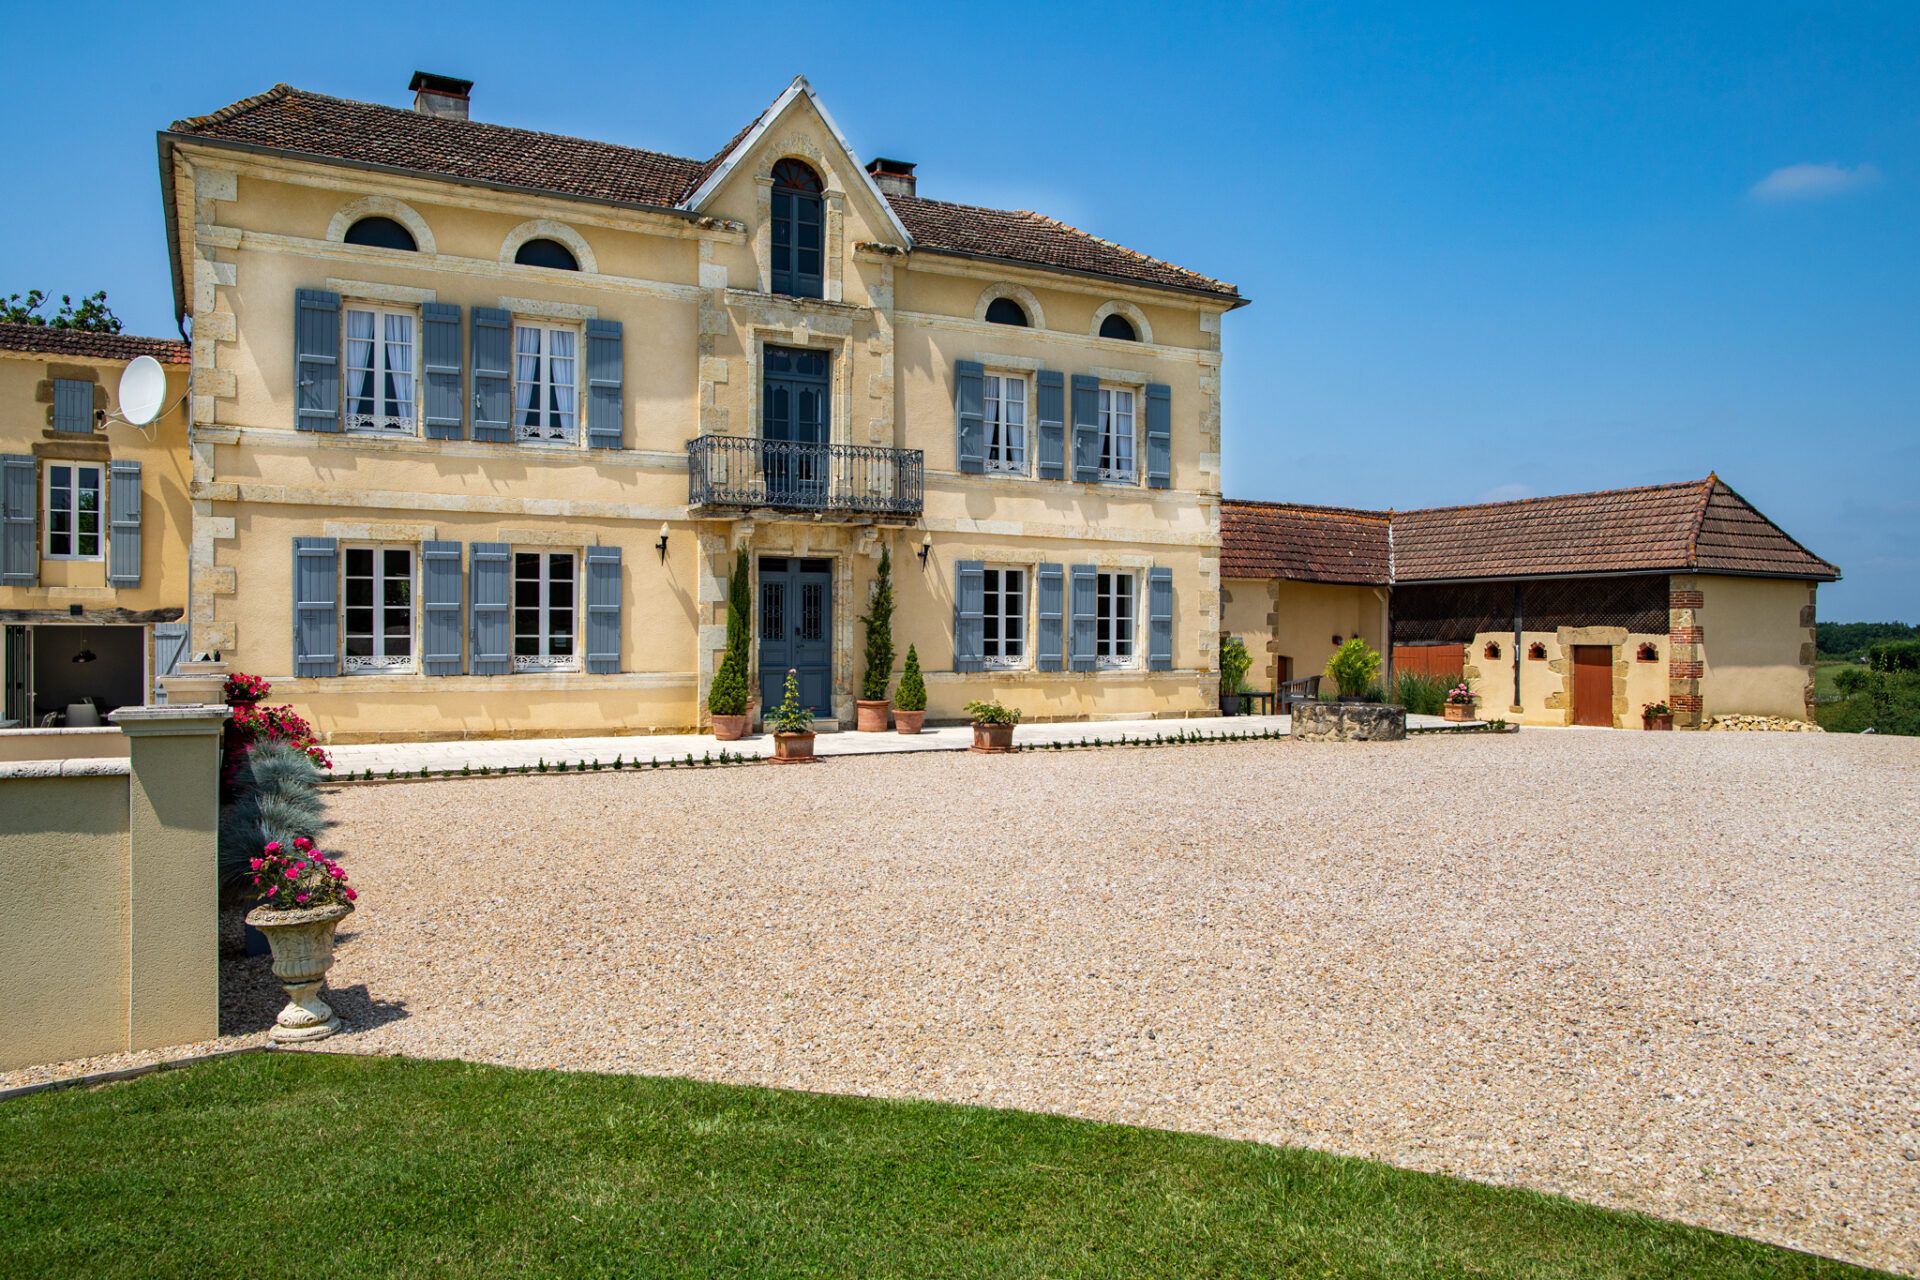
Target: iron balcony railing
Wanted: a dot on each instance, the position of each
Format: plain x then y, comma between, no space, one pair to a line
787,475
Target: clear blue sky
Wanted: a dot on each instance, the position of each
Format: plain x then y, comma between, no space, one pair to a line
1492,253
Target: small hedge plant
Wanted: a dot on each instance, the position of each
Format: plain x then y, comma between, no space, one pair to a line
992,713
1235,662
879,624
1353,667
912,693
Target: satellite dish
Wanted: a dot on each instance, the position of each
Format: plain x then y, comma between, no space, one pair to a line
143,388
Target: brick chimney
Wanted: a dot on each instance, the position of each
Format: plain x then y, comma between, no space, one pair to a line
441,96
893,177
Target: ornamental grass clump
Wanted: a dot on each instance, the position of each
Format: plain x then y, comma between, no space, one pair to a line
912,693
298,877
275,799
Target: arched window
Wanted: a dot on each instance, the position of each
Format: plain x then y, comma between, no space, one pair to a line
799,230
1648,653
546,253
1006,311
381,233
1536,652
1118,326
1492,650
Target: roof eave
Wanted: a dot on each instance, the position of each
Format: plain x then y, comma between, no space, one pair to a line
170,213
1234,301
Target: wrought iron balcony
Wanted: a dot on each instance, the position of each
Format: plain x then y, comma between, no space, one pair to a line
787,475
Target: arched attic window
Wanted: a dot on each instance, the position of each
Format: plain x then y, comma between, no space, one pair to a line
546,253
1007,311
799,230
377,232
1118,326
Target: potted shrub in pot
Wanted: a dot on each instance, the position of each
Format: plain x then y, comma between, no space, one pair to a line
304,896
1459,704
1353,668
1656,715
792,724
992,726
870,708
729,699
1234,664
910,700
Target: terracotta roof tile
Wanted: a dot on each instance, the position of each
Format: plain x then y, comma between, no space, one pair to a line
1698,526
295,121
42,340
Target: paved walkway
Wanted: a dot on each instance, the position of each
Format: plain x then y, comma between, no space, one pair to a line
498,753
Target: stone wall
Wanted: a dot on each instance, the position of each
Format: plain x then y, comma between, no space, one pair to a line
1349,722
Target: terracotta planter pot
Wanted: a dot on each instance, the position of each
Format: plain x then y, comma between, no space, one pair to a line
870,715
793,748
909,721
302,943
1458,710
731,728
1657,722
993,739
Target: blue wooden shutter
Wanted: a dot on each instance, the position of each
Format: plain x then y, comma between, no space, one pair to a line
606,423
492,333
123,524
603,609
1084,601
1159,435
316,607
440,327
19,520
1051,601
316,359
440,611
970,415
1086,427
1159,619
489,627
1050,415
169,646
969,615
73,405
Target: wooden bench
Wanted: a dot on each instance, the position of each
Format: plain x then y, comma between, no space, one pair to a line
1305,689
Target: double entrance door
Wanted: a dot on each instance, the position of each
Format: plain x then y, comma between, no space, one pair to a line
796,630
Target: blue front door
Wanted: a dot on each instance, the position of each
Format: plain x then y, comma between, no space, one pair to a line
795,421
796,631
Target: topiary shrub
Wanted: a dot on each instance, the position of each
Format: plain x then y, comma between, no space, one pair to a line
1353,667
275,797
878,620
912,693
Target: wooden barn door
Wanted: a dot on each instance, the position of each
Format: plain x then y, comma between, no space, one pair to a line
1446,660
1593,685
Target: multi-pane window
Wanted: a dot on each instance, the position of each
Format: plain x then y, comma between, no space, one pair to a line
379,392
377,609
1006,410
1004,621
73,511
545,384
798,234
1114,615
1116,434
545,587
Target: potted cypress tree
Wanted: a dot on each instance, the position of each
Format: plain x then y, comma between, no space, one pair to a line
729,699
910,700
792,725
870,708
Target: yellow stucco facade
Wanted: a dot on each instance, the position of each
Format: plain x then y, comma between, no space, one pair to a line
693,298
1290,627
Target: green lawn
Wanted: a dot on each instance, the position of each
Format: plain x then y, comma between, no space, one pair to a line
1823,673
308,1165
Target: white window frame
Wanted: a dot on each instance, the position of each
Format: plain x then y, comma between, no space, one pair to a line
1112,652
72,510
542,436
1113,433
544,633
1004,458
380,662
994,619
382,423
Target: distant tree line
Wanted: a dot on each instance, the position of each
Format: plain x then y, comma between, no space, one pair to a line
90,313
1853,639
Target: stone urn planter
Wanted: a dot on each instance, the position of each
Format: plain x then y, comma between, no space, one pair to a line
870,715
302,944
1657,722
992,739
793,748
909,721
1458,711
731,728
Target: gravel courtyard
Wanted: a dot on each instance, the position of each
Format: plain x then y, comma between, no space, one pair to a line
1675,973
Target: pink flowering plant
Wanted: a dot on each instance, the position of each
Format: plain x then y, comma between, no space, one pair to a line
1460,695
243,689
299,878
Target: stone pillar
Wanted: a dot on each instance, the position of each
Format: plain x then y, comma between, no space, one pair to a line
1686,663
173,814
196,684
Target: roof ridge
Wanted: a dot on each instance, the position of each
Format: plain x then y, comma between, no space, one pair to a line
234,110
1549,497
1309,507
1700,519
1121,248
